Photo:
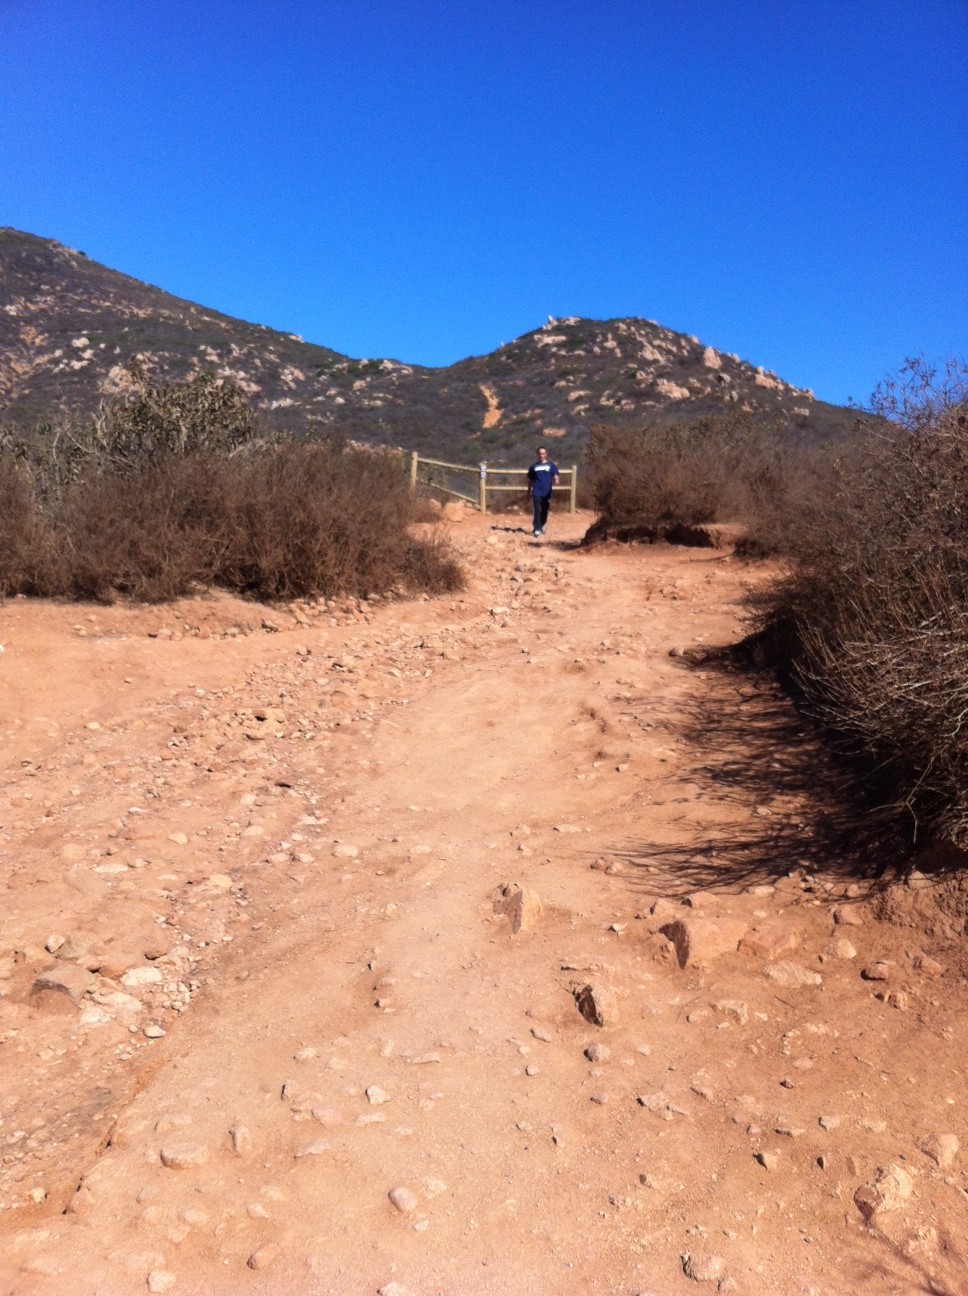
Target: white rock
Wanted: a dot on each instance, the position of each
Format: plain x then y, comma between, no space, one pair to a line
141,976
841,949
242,1141
403,1199
791,976
179,1156
315,1148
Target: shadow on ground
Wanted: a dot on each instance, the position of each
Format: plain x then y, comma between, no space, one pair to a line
746,742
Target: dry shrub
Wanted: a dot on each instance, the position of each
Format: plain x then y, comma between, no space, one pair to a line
29,553
319,518
717,468
873,617
171,490
151,531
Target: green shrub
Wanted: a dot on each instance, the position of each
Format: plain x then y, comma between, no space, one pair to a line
156,420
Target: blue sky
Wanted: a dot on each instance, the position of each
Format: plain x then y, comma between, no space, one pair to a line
427,180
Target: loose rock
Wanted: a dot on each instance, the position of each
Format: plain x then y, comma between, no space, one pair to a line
704,939
179,1156
841,949
705,1267
264,1256
892,1186
598,1052
312,1149
941,1148
791,976
65,979
241,1137
734,1008
597,1004
848,916
403,1199
521,907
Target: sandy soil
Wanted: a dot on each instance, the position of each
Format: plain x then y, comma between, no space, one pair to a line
302,910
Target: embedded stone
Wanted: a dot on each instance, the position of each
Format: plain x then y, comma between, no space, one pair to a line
699,940
597,1004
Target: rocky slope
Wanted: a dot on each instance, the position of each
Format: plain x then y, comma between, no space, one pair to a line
69,326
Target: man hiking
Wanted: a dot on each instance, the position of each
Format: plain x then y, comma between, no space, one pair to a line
542,475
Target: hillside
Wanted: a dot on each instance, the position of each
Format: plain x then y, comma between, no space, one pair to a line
69,326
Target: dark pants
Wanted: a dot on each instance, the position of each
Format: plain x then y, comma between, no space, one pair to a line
540,504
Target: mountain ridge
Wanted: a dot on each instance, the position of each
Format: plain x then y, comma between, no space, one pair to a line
69,328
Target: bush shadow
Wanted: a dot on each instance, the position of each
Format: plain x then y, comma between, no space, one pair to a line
799,806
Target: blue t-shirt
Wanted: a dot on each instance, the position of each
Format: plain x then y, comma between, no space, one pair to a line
542,476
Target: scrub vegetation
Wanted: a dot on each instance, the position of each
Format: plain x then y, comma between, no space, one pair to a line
715,468
870,621
172,489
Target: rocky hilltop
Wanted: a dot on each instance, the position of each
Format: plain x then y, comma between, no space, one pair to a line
69,327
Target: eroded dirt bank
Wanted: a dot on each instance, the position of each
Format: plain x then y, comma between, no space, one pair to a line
266,1023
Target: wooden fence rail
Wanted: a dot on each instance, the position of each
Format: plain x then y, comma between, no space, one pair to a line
485,483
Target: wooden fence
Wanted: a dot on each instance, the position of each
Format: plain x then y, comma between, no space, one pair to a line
485,475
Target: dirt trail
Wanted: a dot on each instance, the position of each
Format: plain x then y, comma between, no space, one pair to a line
259,966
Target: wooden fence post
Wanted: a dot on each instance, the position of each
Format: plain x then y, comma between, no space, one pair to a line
574,488
414,460
483,487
